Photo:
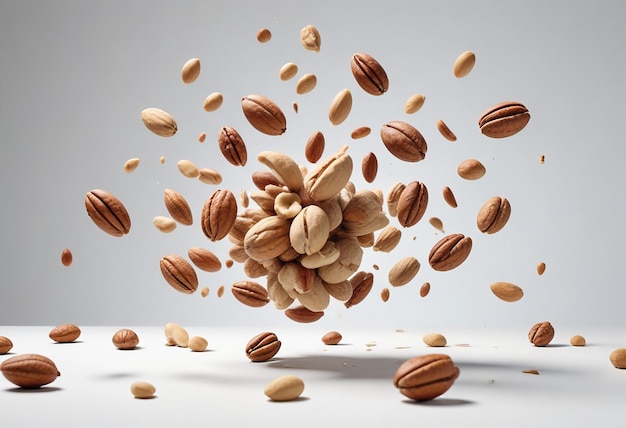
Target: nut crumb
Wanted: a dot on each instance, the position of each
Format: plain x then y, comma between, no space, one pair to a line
531,371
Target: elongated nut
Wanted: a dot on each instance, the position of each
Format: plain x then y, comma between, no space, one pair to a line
449,252
445,131
268,238
209,176
125,339
393,196
414,103
197,344
306,83
264,115
388,239
159,122
369,74
341,291
618,358
250,293
5,345
493,215
107,212
310,38
283,167
403,271
340,107
176,335
504,119
284,388
507,291
329,176
142,390
404,141
449,197
190,71
179,274
464,64
204,259
347,264
29,370
426,377
315,147
362,283
263,347
219,214
471,169
412,204
213,102
369,167
303,315
232,146
65,333
541,334
309,230
434,340
178,207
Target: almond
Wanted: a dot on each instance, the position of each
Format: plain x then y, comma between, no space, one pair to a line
159,122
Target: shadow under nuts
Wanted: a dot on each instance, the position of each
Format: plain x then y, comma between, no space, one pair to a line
450,252
426,377
504,119
107,212
263,347
541,334
29,370
125,339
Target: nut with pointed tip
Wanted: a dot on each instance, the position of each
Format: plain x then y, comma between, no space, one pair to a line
264,115
369,74
449,252
29,371
107,212
493,215
426,377
403,141
179,274
219,214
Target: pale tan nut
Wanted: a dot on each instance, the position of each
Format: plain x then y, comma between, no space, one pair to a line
159,122
288,71
250,293
340,107
303,315
213,102
131,164
362,283
309,230
107,212
232,146
426,377
618,358
125,339
162,160
264,35
262,179
577,340
310,38
414,103
276,292
412,204
403,271
329,176
316,299
283,167
404,141
449,197
507,291
463,64
244,200
493,215
369,74
366,241
504,119
179,274
65,333
209,176
287,205
29,371
178,207
220,291
348,263
384,294
332,338
294,276
243,222
264,200
5,345
66,257
341,291
204,291
333,210
284,388
369,167
204,259
541,268
164,224
359,228
306,84
268,238
219,213
263,347
445,131
471,169
425,289
393,196
436,223
541,334
360,132
327,255
254,269
388,239
264,115
190,71
142,390
197,344
188,168
434,340
362,208
238,253
449,252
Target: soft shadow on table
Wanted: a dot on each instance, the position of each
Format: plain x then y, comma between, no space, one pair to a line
34,390
440,402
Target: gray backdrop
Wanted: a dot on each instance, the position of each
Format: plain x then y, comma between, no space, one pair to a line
76,75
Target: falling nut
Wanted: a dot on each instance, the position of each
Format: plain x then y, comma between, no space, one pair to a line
412,204
340,107
449,252
232,146
403,271
178,207
190,71
264,115
404,141
414,103
306,83
179,274
310,38
507,291
471,169
159,122
107,212
250,293
464,64
493,215
369,74
504,119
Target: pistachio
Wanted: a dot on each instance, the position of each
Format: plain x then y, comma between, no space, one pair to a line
287,205
341,291
29,370
268,238
107,212
176,335
493,215
403,271
65,333
250,293
504,119
449,252
178,207
327,255
190,71
159,122
264,115
340,107
309,230
329,177
306,84
232,146
263,347
276,292
310,38
404,141
219,214
315,299
369,74
348,263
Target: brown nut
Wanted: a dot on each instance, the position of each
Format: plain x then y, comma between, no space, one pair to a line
362,283
369,74
412,204
264,35
179,274
262,347
507,291
434,340
232,146
178,207
264,115
204,259
449,197
449,252
314,147
125,339
219,214
303,315
213,101
493,215
426,377
425,289
107,212
250,293
65,333
284,168
29,370
618,358
262,179
541,334
369,167
404,141
504,119
445,131
577,340
332,338
66,257
471,169
5,345
393,196
403,271
159,121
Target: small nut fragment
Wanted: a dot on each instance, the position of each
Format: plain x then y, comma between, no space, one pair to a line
425,289
310,38
504,119
142,390
426,377
232,146
263,347
404,141
131,164
190,71
264,35
541,268
125,339
618,358
107,212
250,293
506,291
436,223
445,131
464,64
219,214
204,259
5,345
369,167
205,291
197,344
577,340
384,294
435,340
412,204
29,370
303,315
471,169
369,74
284,388
202,137
306,84
159,122
541,334
213,102
264,115
414,103
288,71
179,274
531,371
66,257
332,338
188,168
178,207
449,197
493,215
449,252
403,271
340,107
65,333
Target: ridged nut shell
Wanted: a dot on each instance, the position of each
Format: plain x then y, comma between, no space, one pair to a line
504,119
219,213
107,212
426,377
369,74
264,115
178,207
179,274
404,141
29,370
263,347
493,215
449,252
232,146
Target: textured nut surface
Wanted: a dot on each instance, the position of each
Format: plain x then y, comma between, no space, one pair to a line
65,333
197,344
403,271
204,259
412,204
29,370
403,141
178,207
219,213
332,338
190,71
209,176
434,340
464,64
143,390
387,239
179,274
329,177
66,257
347,264
232,146
159,122
250,293
283,167
306,83
445,131
264,35
284,388
449,197
303,315
309,230
369,74
471,169
213,101
504,119
541,334
176,334
369,167
107,212
577,340
263,347
362,283
310,38
618,358
340,107
125,339
426,377
264,114
449,252
393,196
493,215
268,238
507,291
5,345
414,103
